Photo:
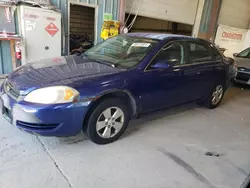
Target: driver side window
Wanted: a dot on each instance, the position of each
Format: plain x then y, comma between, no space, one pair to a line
172,54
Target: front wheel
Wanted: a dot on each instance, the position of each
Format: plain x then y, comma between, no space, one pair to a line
108,121
215,96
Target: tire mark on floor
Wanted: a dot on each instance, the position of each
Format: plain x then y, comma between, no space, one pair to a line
187,167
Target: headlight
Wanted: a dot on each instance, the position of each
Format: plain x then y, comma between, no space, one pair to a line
52,95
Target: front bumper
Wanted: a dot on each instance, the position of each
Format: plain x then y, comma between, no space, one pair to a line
45,120
242,77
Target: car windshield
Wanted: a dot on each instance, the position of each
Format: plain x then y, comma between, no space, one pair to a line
124,51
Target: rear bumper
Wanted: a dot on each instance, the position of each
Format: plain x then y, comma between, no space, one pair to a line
45,120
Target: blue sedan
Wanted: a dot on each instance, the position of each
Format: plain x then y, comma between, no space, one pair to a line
99,91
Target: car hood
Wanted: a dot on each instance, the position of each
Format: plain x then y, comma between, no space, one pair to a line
243,62
57,71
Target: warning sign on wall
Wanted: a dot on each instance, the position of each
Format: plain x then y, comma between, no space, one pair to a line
52,29
230,38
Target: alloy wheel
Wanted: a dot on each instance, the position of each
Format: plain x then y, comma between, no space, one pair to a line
110,122
217,94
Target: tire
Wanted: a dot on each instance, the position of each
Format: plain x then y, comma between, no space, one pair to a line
112,128
210,102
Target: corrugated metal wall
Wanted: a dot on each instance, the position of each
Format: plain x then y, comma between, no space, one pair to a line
104,6
5,57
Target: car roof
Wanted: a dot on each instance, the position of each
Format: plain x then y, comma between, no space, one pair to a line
158,36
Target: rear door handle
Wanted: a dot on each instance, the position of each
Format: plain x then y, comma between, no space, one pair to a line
198,73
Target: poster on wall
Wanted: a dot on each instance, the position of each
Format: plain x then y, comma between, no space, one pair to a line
230,38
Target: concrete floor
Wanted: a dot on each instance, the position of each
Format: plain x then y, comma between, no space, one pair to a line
165,149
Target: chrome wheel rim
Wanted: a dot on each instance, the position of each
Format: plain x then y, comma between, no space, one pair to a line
110,122
217,95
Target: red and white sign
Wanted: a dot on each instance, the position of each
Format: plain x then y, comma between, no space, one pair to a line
52,29
230,38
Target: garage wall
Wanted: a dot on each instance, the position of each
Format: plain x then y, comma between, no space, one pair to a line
82,20
235,13
104,6
150,24
145,24
182,11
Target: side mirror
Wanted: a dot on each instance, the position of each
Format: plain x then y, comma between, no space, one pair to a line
235,54
160,65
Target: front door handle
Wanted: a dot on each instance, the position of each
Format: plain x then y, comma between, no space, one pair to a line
179,71
198,73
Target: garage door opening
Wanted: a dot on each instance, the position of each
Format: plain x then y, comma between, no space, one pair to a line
145,24
82,28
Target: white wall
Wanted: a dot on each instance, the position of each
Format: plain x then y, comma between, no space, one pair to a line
198,18
247,40
235,13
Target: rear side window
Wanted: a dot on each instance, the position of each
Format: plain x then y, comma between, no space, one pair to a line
199,52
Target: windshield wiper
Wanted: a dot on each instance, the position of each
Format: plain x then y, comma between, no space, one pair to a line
106,63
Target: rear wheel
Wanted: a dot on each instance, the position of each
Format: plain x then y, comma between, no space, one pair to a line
215,96
108,121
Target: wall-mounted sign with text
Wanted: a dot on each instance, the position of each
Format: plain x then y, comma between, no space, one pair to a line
230,38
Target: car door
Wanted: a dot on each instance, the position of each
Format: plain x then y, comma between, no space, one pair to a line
165,86
204,64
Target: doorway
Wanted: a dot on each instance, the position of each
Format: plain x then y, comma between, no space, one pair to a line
82,27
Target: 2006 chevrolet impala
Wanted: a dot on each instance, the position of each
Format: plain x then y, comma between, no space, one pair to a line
101,90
